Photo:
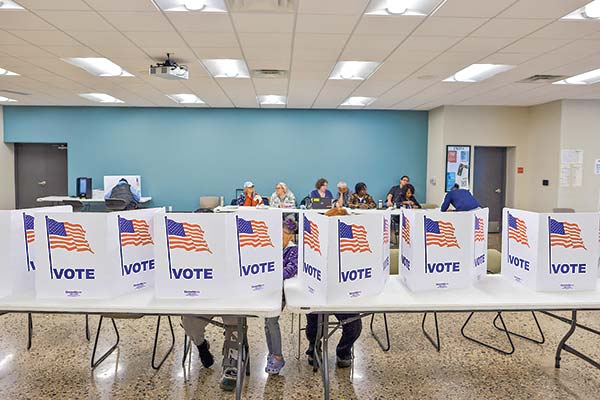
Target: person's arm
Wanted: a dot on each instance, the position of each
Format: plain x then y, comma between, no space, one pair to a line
353,202
389,198
240,200
339,202
369,202
107,195
446,202
258,199
135,193
273,202
290,262
292,199
415,202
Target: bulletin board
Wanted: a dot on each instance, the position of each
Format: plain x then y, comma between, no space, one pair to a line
458,166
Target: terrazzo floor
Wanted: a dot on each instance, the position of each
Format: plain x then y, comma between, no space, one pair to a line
57,366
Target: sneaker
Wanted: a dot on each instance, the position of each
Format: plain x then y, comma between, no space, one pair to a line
344,362
274,364
206,358
310,354
229,379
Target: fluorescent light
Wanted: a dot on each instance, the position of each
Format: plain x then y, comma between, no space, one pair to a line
101,98
404,7
185,98
98,66
217,6
5,72
478,72
358,101
271,100
227,68
9,5
7,100
353,70
587,78
589,11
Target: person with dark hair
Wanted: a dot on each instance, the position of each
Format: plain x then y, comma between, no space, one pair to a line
321,191
393,196
350,331
407,197
124,191
461,199
360,198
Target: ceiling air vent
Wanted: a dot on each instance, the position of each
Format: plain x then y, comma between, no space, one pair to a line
279,6
542,78
269,73
14,91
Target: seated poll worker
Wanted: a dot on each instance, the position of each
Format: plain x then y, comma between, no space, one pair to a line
461,200
321,190
360,198
343,194
124,191
275,360
249,197
350,331
407,197
393,196
282,197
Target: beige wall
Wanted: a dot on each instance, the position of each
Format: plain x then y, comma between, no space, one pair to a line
7,171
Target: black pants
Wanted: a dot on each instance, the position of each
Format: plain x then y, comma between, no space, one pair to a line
350,332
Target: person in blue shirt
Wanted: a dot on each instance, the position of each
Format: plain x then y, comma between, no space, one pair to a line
461,199
321,190
124,191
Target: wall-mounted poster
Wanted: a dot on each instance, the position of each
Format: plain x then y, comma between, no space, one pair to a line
458,166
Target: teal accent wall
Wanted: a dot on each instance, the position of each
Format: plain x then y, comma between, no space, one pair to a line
182,154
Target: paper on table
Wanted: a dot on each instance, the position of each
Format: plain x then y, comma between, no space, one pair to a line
565,175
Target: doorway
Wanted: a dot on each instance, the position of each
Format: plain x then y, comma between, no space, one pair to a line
489,182
40,170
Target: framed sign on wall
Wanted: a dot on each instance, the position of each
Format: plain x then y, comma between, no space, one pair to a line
458,166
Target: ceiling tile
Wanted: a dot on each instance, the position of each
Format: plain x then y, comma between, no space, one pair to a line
370,47
470,8
315,23
567,30
63,5
428,43
122,5
338,7
320,41
530,45
76,20
129,21
218,52
46,38
549,9
483,45
258,22
154,39
22,20
387,25
201,22
201,39
449,26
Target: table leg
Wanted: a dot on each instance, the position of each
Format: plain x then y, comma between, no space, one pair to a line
29,330
387,346
489,346
95,363
154,365
542,339
436,342
564,346
242,361
325,356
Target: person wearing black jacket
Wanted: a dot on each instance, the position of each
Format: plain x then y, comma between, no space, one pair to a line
407,197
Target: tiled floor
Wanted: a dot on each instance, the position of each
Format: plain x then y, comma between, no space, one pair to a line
57,366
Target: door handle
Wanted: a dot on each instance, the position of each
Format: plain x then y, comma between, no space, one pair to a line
498,190
42,183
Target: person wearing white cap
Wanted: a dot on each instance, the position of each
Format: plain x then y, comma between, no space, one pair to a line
249,197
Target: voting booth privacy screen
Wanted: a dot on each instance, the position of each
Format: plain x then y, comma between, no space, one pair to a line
17,239
344,257
94,255
550,252
214,255
442,250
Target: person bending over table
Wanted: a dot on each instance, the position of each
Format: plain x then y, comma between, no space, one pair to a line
282,197
461,199
275,360
393,196
124,191
249,197
343,194
407,197
360,198
350,331
321,190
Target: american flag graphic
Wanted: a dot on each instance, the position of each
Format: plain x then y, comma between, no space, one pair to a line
311,235
186,236
134,232
406,229
479,229
67,235
440,233
386,231
353,238
28,222
565,234
517,230
253,233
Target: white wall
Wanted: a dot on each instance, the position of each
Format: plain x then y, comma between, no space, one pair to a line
7,171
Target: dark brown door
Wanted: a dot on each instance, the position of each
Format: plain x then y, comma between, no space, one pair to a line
489,181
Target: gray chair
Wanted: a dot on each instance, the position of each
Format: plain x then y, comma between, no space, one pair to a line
115,204
75,203
563,210
208,203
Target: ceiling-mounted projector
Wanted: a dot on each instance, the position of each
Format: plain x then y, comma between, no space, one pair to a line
169,70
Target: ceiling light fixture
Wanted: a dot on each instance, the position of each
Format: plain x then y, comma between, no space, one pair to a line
5,72
98,66
589,11
354,70
185,98
587,78
7,100
404,7
192,5
358,101
227,68
396,7
271,100
101,98
478,72
10,5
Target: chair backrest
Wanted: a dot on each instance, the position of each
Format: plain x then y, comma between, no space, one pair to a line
494,261
116,204
563,210
266,201
209,202
429,206
76,204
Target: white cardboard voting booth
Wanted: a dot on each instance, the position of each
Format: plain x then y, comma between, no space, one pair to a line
17,240
442,250
550,252
343,257
215,255
94,255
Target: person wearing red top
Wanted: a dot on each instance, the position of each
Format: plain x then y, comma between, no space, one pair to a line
249,197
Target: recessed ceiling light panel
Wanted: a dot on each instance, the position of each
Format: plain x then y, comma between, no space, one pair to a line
589,11
227,68
9,5
101,98
185,98
98,66
478,72
7,100
5,72
354,70
358,101
271,100
587,78
404,7
217,6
